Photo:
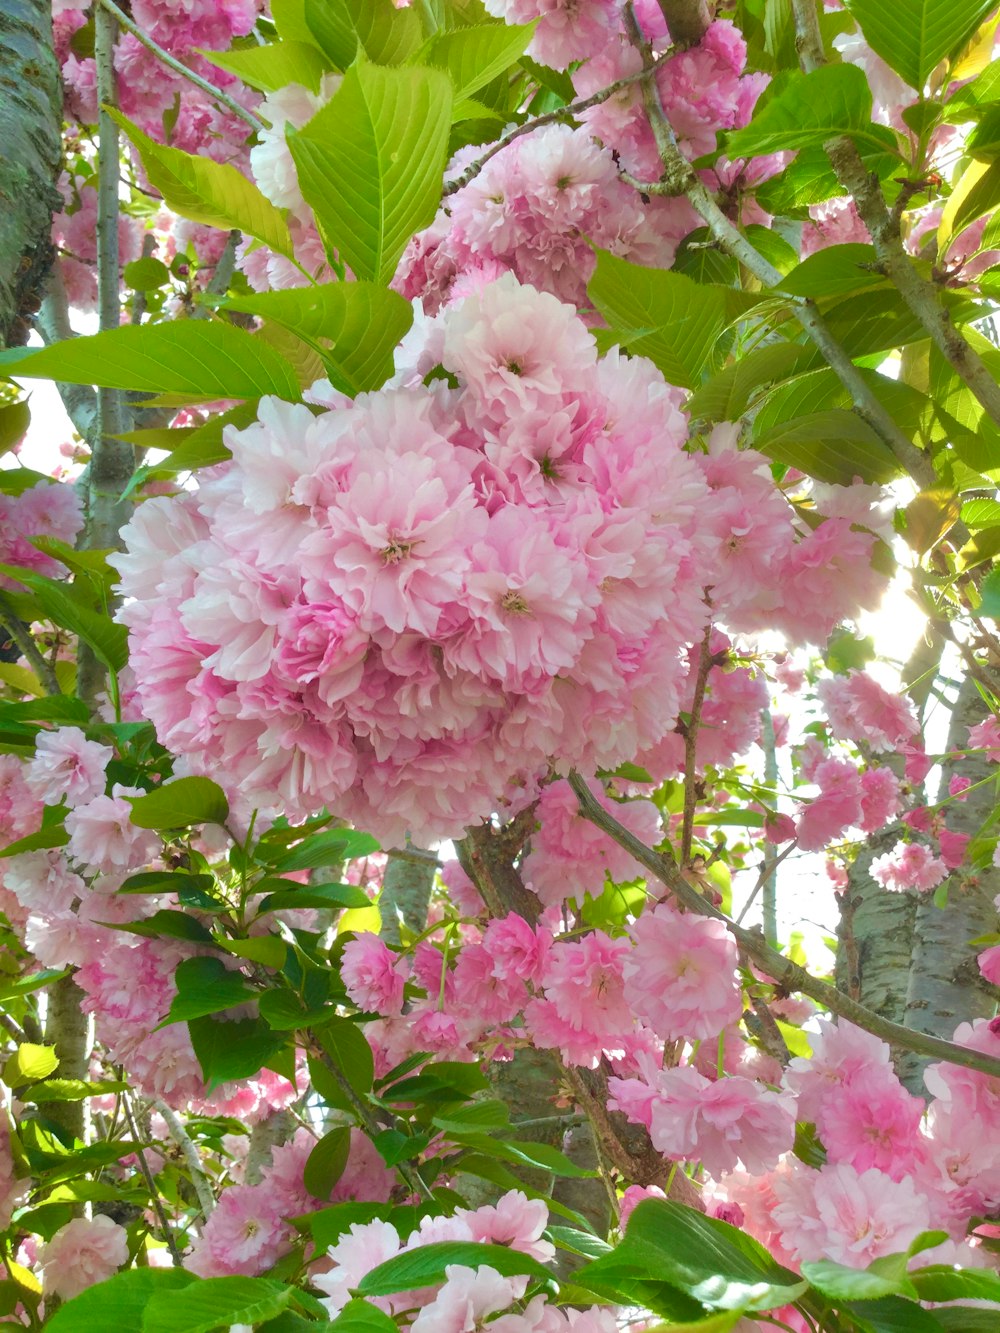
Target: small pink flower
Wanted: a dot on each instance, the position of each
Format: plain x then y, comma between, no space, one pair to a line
910,865
466,1298
989,964
81,1253
373,975
102,835
680,978
986,736
733,1121
67,765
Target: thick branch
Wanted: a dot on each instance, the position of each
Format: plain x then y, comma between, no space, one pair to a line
808,36
173,63
921,296
199,1180
687,20
782,970
20,635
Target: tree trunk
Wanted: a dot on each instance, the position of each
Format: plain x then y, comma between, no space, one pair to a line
30,132
875,936
945,987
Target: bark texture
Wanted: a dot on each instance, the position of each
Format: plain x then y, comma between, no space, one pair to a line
875,936
30,160
945,987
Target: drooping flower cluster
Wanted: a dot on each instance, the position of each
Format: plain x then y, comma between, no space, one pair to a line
47,509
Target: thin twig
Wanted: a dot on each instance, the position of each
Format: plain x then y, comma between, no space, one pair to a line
770,872
782,970
21,637
199,1180
154,1193
691,743
173,63
560,114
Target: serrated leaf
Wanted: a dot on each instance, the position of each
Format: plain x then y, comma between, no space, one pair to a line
268,950
29,1063
837,270
206,986
929,516
127,1294
976,192
179,804
362,320
203,1306
348,1047
195,359
806,110
234,1051
361,1317
324,896
425,1266
274,66
64,605
665,316
385,34
727,395
15,418
989,591
473,56
853,1284
913,36
210,192
833,446
371,162
326,848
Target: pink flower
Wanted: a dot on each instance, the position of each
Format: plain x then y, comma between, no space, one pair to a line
835,809
373,975
839,1051
517,949
880,798
466,1298
103,837
989,964
859,709
516,1221
244,1235
957,786
910,865
952,847
67,765
872,1121
986,736
81,1253
363,1247
681,975
849,1216
733,1121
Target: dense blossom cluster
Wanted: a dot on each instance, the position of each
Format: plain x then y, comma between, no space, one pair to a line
404,607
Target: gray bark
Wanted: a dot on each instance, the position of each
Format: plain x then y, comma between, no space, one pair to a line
406,892
66,1028
945,987
30,160
875,936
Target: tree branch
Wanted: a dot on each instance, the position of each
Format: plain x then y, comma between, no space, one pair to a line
21,637
691,743
919,295
173,63
687,20
782,970
202,1188
808,36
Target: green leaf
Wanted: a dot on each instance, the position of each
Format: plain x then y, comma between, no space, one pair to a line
319,895
983,91
327,1162
665,316
989,590
229,1052
941,1282
64,604
120,1301
530,1154
173,925
838,270
363,321
426,1265
834,446
388,36
269,68
370,163
197,359
72,1090
348,1047
708,1260
181,803
976,192
474,56
913,36
326,848
984,141
728,394
53,836
805,110
15,418
29,1063
838,1283
360,1317
285,1012
207,191
327,1225
268,950
32,982
145,274
203,1306
206,986
891,1314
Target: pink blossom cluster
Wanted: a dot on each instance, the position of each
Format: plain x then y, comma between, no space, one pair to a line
910,865
74,233
538,209
702,90
404,607
249,1230
847,797
859,709
47,509
83,1252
